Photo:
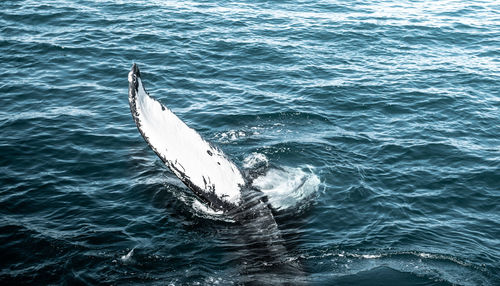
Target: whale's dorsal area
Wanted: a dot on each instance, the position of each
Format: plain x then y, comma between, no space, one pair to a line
201,167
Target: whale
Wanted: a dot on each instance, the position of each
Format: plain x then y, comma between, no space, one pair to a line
218,183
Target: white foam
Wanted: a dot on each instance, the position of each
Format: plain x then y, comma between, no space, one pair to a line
127,257
232,136
200,207
48,113
287,187
255,159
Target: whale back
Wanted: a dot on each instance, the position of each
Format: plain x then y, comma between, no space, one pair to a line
202,167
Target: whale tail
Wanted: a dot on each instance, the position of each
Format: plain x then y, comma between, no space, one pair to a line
202,167
215,180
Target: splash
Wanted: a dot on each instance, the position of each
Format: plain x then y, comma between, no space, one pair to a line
233,135
128,256
286,187
254,160
201,208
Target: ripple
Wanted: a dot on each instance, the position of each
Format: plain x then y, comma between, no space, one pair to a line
430,267
377,123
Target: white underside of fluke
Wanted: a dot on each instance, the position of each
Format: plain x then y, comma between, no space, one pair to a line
202,167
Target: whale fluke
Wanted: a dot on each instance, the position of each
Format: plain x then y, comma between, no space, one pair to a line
202,167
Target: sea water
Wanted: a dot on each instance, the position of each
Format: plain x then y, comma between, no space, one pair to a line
378,123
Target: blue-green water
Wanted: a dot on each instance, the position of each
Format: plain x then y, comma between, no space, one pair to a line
393,107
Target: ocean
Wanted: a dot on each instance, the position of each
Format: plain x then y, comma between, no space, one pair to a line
378,123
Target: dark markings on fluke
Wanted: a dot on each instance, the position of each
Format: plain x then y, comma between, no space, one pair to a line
257,227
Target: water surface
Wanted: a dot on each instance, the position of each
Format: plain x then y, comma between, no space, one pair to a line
388,110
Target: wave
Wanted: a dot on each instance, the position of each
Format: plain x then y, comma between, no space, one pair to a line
434,268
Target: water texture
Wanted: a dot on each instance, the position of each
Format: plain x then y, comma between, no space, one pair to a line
379,122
